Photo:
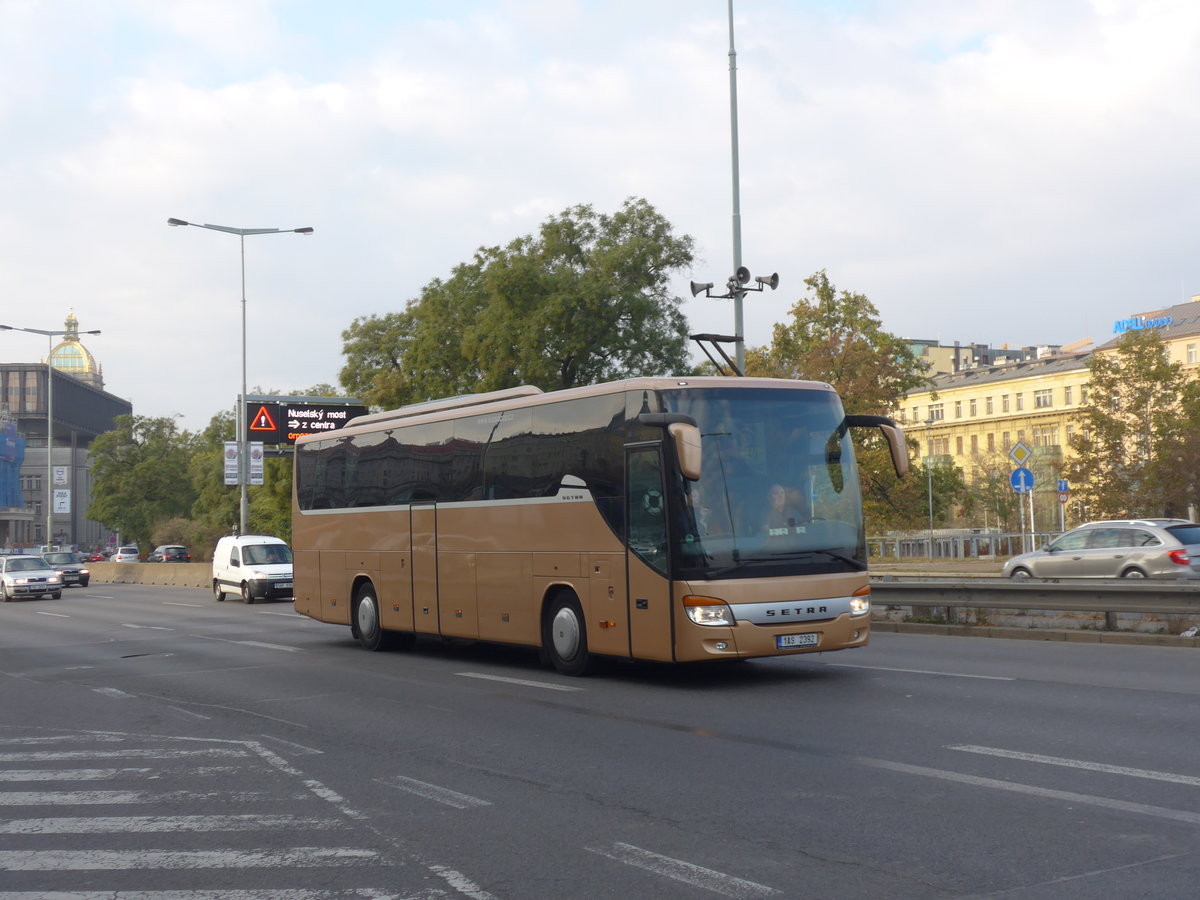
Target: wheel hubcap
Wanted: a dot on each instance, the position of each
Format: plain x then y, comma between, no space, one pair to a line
564,632
367,619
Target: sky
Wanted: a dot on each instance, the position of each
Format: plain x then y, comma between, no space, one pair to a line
1007,171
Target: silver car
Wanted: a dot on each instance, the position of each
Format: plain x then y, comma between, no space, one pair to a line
1127,548
28,576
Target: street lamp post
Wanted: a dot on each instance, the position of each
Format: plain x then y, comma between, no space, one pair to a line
929,477
50,336
242,436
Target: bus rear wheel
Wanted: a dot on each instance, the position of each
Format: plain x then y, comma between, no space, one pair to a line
564,636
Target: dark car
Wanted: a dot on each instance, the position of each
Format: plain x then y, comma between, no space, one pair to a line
170,553
71,565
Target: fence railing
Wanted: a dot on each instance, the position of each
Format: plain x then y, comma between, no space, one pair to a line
945,544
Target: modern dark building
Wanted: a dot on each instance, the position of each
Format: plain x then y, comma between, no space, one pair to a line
82,410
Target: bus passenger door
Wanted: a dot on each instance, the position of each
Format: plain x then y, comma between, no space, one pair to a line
649,596
423,536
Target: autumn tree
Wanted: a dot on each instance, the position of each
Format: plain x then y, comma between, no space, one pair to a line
1136,451
837,337
140,476
585,300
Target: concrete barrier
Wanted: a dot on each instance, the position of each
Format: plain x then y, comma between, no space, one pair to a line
166,574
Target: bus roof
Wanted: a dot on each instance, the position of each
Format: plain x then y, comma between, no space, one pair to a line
528,395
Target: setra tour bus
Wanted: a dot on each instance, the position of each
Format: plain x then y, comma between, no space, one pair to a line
667,519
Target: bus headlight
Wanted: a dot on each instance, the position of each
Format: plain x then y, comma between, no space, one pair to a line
860,603
708,611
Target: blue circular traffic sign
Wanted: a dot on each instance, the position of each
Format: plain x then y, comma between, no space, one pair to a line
1021,480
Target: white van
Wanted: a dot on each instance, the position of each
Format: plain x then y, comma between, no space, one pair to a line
255,566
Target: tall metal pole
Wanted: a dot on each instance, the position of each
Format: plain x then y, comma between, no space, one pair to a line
739,329
49,442
243,435
929,477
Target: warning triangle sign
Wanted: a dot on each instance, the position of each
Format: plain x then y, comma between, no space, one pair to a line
262,421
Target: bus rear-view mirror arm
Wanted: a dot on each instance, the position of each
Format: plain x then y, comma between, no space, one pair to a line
892,432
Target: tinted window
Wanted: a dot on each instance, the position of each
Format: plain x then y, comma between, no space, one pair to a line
1104,538
1140,538
1072,540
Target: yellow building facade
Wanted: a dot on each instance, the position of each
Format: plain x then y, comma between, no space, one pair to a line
974,417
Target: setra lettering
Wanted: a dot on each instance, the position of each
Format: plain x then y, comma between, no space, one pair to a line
783,612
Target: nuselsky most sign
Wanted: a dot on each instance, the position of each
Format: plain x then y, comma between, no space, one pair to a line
282,420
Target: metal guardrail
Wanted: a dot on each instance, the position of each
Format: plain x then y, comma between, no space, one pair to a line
1104,596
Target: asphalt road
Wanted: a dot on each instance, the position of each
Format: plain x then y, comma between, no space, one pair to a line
158,745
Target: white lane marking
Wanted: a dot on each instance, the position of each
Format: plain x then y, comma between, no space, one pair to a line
523,681
188,712
296,748
923,672
1143,809
252,643
87,798
433,792
56,615
193,605
219,894
148,824
151,627
688,873
49,755
1080,764
460,883
66,774
123,860
113,692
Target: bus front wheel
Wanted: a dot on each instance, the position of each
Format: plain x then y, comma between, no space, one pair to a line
564,636
366,620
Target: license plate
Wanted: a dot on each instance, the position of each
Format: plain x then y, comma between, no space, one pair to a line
283,584
790,641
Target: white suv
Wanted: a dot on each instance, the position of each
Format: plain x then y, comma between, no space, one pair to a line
127,554
255,566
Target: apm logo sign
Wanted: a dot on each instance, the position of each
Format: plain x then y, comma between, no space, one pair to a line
1139,323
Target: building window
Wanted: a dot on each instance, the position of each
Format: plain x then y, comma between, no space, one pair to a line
991,441
1070,434
1004,441
1004,403
1021,435
974,411
1045,436
958,445
1067,395
958,409
936,412
1020,402
974,443
1083,393
1042,399
987,403
1191,353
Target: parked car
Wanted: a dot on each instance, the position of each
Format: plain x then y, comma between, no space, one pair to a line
126,554
1126,548
28,576
169,553
95,557
255,566
71,565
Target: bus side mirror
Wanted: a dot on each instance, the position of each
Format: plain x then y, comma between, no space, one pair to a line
898,448
687,448
891,431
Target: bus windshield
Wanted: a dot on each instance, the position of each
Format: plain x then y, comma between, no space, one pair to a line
778,492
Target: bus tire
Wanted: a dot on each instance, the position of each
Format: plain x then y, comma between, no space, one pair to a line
366,620
217,592
564,635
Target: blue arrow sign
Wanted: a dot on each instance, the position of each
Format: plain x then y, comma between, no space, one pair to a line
1063,487
1022,480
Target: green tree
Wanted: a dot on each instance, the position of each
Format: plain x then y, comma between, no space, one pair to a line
837,337
1138,432
140,476
585,300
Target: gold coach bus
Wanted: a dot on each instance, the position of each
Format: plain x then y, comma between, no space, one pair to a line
670,519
